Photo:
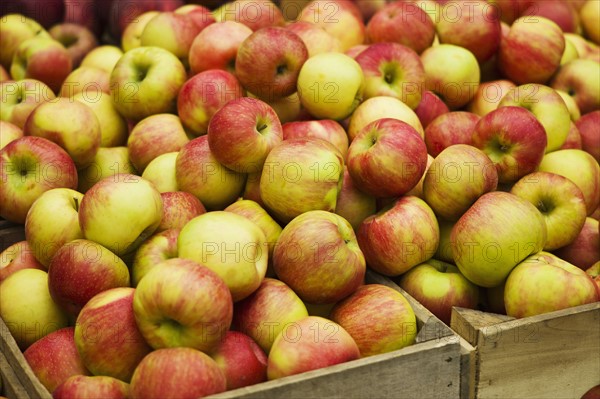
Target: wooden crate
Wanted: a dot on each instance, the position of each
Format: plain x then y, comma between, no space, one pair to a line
553,355
431,368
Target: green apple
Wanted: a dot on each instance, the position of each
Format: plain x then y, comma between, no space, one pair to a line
113,127
14,30
103,57
132,35
109,161
120,212
32,316
52,221
331,85
230,245
8,133
161,172
559,200
19,98
496,233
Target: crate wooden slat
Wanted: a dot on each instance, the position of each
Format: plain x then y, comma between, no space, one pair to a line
553,355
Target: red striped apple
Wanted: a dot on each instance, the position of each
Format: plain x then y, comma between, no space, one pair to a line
379,319
77,39
448,129
326,129
176,373
54,358
399,237
589,129
569,285
353,204
584,251
496,233
241,360
158,248
179,208
579,78
80,386
17,257
316,39
430,107
30,166
255,15
15,29
19,98
318,256
267,312
182,303
488,96
310,344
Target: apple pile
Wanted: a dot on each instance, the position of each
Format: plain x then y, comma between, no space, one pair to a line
202,200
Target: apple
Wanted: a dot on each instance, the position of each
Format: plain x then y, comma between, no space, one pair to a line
29,317
404,23
570,52
561,12
177,373
29,166
387,158
267,312
90,81
80,137
318,257
229,244
179,208
118,15
326,129
216,46
77,39
378,318
594,272
559,200
113,127
255,213
107,336
573,140
104,57
353,204
310,344
54,358
153,136
488,96
203,95
381,107
354,51
16,257
199,173
179,302
569,285
254,14
589,15
579,78
430,107
241,360
486,252
449,129
242,133
14,30
161,172
589,129
574,112
581,168
399,236
145,81
120,212
514,140
173,32
252,188
32,57
10,132
81,386
391,69
268,62
158,248
458,176
444,249
18,99
300,175
584,251
331,85
547,106
52,221
531,52
439,286
340,18
316,39
81,269
452,72
108,162
473,25
132,35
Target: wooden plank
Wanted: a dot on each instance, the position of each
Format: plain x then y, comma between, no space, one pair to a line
427,370
11,386
467,369
554,355
19,366
468,322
